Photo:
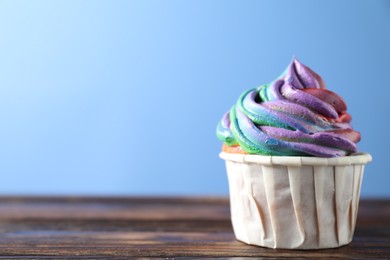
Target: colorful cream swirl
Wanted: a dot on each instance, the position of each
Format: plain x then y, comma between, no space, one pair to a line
292,116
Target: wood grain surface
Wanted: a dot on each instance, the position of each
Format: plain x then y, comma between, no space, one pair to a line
42,227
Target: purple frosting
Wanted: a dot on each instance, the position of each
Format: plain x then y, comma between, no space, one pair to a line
293,115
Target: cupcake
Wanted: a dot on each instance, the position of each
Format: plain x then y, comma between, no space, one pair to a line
293,166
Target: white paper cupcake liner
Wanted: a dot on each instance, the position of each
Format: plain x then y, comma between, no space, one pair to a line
294,202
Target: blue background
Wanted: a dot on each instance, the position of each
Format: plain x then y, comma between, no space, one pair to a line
123,97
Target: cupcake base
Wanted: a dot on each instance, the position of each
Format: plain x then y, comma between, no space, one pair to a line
294,202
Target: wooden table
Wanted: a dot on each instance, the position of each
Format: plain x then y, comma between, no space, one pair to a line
156,227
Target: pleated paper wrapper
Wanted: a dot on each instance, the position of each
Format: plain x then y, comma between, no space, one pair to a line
294,202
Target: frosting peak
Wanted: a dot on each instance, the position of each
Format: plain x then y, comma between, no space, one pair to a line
292,115
301,76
